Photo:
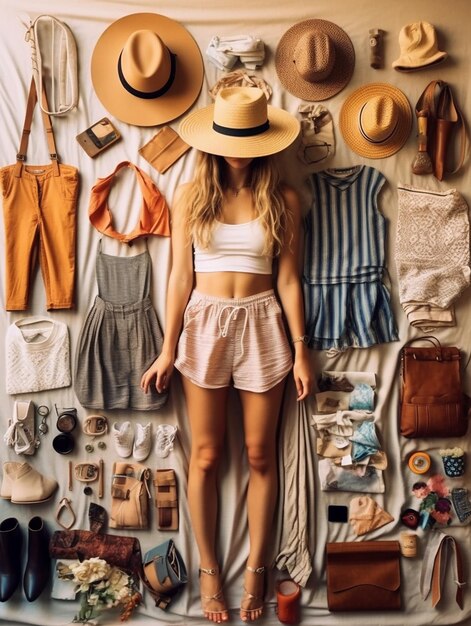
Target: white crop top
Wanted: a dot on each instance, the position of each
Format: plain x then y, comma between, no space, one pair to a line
235,248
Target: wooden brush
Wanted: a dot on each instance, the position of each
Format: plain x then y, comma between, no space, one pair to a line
422,163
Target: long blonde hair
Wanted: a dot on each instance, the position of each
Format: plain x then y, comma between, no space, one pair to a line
204,200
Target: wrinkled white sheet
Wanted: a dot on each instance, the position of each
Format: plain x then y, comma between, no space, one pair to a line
267,20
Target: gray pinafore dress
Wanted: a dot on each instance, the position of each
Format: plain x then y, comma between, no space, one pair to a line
120,337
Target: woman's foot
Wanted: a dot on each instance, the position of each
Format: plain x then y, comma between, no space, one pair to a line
251,606
212,598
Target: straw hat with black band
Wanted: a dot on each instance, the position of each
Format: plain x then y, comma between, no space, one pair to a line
376,120
241,124
146,69
315,59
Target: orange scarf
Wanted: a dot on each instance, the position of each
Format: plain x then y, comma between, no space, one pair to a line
154,218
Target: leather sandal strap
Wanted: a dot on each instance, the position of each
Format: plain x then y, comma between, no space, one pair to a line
211,571
256,570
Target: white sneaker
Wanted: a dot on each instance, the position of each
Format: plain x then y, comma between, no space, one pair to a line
165,436
123,437
142,442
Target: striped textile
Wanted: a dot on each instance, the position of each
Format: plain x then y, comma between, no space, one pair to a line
346,303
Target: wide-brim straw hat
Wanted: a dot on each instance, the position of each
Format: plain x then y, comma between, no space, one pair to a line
376,120
315,59
240,123
147,69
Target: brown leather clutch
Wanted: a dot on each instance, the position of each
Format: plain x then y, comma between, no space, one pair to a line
363,576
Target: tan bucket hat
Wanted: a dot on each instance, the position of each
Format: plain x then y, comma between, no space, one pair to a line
315,59
419,47
240,123
146,69
376,120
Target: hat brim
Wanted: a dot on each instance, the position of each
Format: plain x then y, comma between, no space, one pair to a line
197,130
405,64
341,72
138,111
350,126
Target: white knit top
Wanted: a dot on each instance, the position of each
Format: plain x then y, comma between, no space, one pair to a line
37,355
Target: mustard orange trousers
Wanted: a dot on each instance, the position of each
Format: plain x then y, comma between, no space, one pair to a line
39,209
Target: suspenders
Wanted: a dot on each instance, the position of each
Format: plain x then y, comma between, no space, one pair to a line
31,103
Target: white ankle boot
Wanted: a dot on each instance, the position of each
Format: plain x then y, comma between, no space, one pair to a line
22,484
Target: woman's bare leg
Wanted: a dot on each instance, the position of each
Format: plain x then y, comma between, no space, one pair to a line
261,412
207,415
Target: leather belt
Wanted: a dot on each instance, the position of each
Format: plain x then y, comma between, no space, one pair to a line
434,568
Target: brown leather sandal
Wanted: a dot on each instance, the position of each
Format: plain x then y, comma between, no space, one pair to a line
250,615
211,614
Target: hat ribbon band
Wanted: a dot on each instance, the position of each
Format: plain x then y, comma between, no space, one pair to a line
149,95
241,132
367,137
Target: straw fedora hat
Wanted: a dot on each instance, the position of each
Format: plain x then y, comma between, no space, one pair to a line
419,47
146,69
240,123
376,120
315,59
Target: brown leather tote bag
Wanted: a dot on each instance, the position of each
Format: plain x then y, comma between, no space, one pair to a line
432,402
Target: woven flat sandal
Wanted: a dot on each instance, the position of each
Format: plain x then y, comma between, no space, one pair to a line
250,615
213,616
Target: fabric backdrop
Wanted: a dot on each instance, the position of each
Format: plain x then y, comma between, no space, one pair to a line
267,20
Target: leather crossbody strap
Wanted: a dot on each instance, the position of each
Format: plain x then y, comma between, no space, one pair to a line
61,52
434,568
446,91
21,156
427,105
426,101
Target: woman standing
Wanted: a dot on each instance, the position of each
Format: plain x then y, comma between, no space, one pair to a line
232,226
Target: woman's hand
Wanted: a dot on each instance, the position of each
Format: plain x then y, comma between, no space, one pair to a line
162,369
302,374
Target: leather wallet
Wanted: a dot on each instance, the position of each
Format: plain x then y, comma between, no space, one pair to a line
164,149
363,576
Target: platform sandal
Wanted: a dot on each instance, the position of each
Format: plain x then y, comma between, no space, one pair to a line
211,614
250,615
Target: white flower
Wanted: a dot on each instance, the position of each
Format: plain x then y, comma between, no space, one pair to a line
454,452
90,570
